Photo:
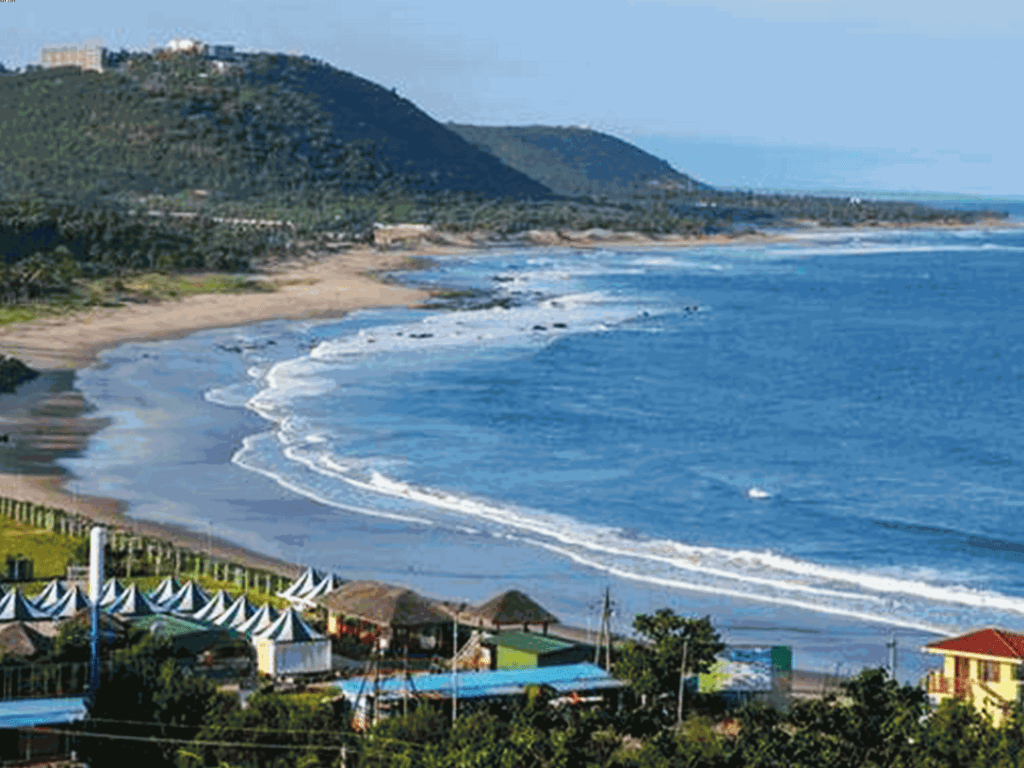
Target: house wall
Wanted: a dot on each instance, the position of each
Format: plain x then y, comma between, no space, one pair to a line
510,658
86,58
575,655
989,696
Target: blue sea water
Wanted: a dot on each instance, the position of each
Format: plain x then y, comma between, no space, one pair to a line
828,426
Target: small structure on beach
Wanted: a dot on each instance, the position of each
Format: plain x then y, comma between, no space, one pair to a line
391,612
189,636
219,603
740,673
305,583
71,604
188,600
511,608
134,603
167,589
51,593
14,606
259,621
23,641
290,646
518,650
236,614
112,590
983,668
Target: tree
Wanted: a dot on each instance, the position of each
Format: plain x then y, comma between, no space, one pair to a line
653,668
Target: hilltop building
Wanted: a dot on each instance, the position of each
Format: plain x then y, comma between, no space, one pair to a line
86,57
983,668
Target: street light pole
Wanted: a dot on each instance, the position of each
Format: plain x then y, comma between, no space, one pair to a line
682,683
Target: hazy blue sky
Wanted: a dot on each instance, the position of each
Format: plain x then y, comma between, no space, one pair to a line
805,94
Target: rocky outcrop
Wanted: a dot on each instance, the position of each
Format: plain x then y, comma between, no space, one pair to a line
14,372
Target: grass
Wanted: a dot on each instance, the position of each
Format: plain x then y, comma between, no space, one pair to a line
49,551
139,289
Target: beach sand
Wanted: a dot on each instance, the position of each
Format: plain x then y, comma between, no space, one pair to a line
47,419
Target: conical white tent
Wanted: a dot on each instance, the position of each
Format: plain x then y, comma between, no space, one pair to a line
259,621
14,606
290,646
167,589
328,584
51,593
134,603
237,613
305,583
73,603
112,590
219,603
189,599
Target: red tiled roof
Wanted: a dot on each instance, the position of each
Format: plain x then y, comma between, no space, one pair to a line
985,642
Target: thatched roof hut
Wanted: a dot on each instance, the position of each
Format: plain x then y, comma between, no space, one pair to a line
384,605
22,640
512,608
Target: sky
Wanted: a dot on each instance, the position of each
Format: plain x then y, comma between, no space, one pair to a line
887,95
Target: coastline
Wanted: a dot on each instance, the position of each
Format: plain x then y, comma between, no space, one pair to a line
329,288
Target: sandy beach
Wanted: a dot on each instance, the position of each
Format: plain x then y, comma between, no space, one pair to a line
48,419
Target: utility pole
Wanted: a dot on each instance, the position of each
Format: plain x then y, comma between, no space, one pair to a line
605,635
455,657
682,683
891,645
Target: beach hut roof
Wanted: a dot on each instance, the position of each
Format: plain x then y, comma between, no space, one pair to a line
20,639
189,599
289,628
51,593
384,605
219,603
14,606
167,589
111,591
259,621
73,602
305,583
237,613
134,603
512,607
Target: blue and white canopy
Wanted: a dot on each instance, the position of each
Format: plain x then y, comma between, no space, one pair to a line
305,583
328,584
51,593
111,591
14,606
219,603
167,589
289,628
237,613
73,603
134,603
189,599
259,621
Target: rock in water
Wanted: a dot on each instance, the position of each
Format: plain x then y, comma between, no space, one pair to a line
13,372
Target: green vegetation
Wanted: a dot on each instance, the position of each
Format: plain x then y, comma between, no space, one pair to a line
579,162
50,552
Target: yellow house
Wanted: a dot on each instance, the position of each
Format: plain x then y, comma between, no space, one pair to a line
984,667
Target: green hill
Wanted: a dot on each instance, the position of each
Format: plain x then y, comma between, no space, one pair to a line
271,124
578,161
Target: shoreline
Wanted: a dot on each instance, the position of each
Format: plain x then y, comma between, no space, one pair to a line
328,288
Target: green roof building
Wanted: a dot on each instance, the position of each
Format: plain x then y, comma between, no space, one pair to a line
195,637
517,650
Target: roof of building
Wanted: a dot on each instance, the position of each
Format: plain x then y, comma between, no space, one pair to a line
73,602
20,639
289,628
14,606
505,682
528,642
189,599
384,605
237,613
259,621
984,642
51,593
512,607
26,713
305,583
167,589
165,625
133,602
219,603
112,590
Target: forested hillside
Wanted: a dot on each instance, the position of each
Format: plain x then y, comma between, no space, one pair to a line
579,161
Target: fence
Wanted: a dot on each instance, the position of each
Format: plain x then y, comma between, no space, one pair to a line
144,554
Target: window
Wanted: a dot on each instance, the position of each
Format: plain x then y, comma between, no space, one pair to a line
988,671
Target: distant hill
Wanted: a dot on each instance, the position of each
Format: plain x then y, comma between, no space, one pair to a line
579,161
270,124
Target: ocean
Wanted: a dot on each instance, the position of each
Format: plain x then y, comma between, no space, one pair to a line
813,441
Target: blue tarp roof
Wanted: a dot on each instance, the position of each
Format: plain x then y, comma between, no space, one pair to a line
504,682
25,713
